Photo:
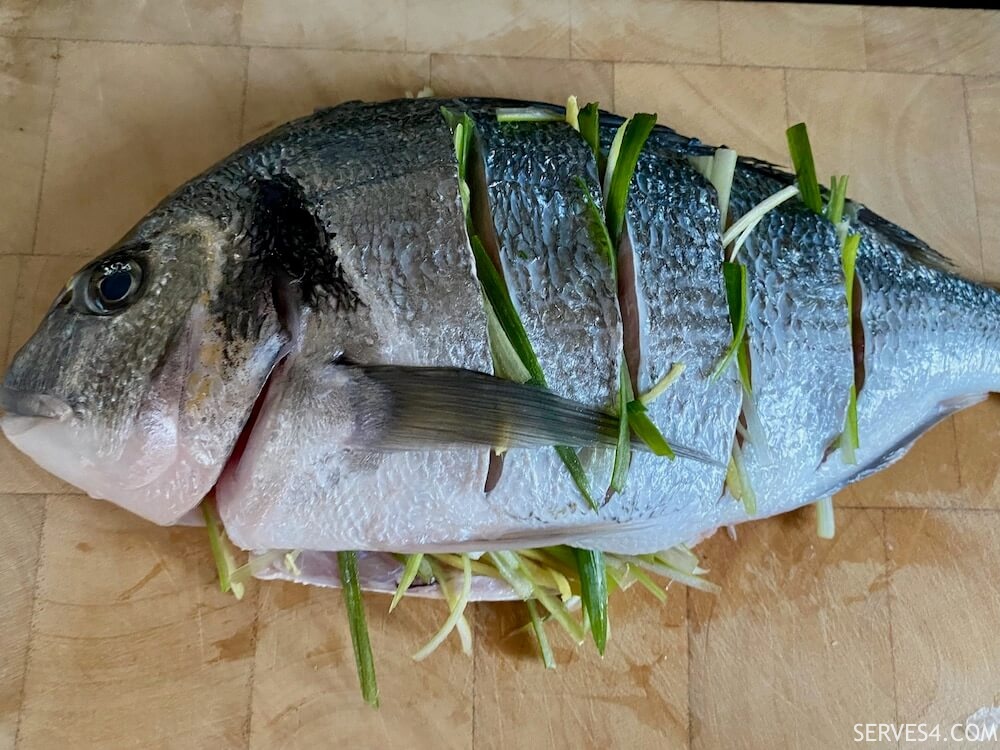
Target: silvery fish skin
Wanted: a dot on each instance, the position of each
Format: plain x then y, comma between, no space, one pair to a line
340,239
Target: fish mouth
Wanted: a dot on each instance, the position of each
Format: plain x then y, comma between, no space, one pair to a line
29,404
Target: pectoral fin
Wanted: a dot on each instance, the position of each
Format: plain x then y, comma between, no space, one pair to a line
419,408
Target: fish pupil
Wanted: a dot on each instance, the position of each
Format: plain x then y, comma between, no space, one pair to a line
115,286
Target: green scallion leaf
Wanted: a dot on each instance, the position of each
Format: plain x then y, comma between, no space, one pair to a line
838,197
850,439
348,562
496,292
597,229
805,167
589,121
623,449
594,593
576,471
647,431
225,561
623,163
735,275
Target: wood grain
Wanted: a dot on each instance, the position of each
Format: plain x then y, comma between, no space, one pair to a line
904,141
646,30
794,36
115,149
306,687
323,78
113,632
636,696
797,615
710,102
132,643
945,605
21,530
531,79
28,68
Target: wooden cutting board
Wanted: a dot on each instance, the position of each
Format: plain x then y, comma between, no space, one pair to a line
112,631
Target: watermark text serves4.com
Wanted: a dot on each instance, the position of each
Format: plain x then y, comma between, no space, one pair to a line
884,732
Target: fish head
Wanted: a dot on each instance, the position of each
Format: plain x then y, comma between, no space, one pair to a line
137,383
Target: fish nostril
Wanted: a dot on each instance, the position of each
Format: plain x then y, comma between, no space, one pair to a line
28,404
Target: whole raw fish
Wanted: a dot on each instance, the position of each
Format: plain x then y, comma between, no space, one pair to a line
301,330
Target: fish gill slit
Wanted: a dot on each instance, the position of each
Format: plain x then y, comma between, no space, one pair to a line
858,335
628,307
481,218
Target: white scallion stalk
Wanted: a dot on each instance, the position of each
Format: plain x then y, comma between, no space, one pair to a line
255,565
543,640
751,218
662,384
826,527
410,570
457,613
616,147
747,496
291,562
703,164
721,176
573,113
527,114
667,571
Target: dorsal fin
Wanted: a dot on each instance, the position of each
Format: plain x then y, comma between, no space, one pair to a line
913,247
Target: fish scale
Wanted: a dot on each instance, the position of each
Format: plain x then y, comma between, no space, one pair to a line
672,222
563,290
801,356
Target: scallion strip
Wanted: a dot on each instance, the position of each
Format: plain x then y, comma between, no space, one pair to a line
838,197
597,229
688,579
735,275
527,114
621,168
850,440
577,473
538,627
457,611
826,526
805,167
662,384
721,176
225,562
573,113
589,125
348,562
594,592
410,570
741,228
647,431
623,449
747,495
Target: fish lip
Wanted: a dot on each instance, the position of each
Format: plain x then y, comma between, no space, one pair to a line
29,404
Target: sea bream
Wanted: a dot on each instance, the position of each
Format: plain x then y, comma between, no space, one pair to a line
302,331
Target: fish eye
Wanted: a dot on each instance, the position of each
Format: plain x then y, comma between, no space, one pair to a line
112,286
